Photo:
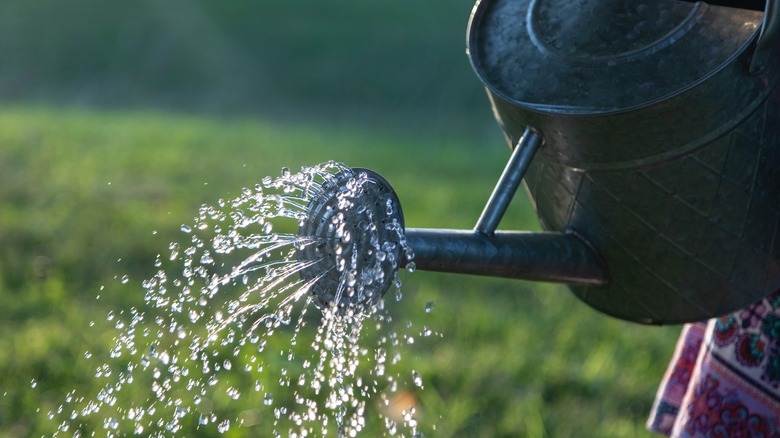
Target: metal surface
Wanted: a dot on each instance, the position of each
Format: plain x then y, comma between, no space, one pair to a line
556,257
352,233
767,39
596,56
617,114
508,183
661,147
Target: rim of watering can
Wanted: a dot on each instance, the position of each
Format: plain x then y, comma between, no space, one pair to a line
525,66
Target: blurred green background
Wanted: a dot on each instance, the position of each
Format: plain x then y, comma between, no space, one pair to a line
119,119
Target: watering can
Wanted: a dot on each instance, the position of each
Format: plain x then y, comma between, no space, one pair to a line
647,134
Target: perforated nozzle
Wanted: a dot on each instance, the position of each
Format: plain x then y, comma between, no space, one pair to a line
353,235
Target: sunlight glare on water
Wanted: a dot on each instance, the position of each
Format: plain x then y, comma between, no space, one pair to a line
230,321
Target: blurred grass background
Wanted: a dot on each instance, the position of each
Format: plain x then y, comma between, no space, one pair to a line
119,119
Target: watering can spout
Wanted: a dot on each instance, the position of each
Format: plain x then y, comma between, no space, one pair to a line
545,256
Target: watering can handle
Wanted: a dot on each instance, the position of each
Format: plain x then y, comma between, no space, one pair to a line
766,37
510,179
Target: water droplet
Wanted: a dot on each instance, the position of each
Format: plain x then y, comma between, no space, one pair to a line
233,393
268,399
417,379
125,279
111,423
429,306
186,228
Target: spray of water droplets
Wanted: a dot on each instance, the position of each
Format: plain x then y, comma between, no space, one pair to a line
230,321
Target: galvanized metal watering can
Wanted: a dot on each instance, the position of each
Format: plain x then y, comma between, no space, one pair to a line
648,135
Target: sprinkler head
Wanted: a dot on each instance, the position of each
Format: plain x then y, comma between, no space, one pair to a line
353,235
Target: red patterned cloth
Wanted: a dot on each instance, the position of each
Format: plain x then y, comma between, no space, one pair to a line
724,378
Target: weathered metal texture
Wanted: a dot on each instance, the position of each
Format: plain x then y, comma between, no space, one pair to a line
660,146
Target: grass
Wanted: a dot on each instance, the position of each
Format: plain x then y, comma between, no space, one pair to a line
91,196
120,119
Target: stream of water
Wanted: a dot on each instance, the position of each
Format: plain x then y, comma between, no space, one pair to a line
232,336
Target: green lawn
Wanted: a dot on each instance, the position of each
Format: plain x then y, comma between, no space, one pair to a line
119,119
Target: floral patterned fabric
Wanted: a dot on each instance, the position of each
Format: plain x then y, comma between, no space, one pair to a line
724,378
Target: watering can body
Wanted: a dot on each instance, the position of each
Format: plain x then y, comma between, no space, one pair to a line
659,125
